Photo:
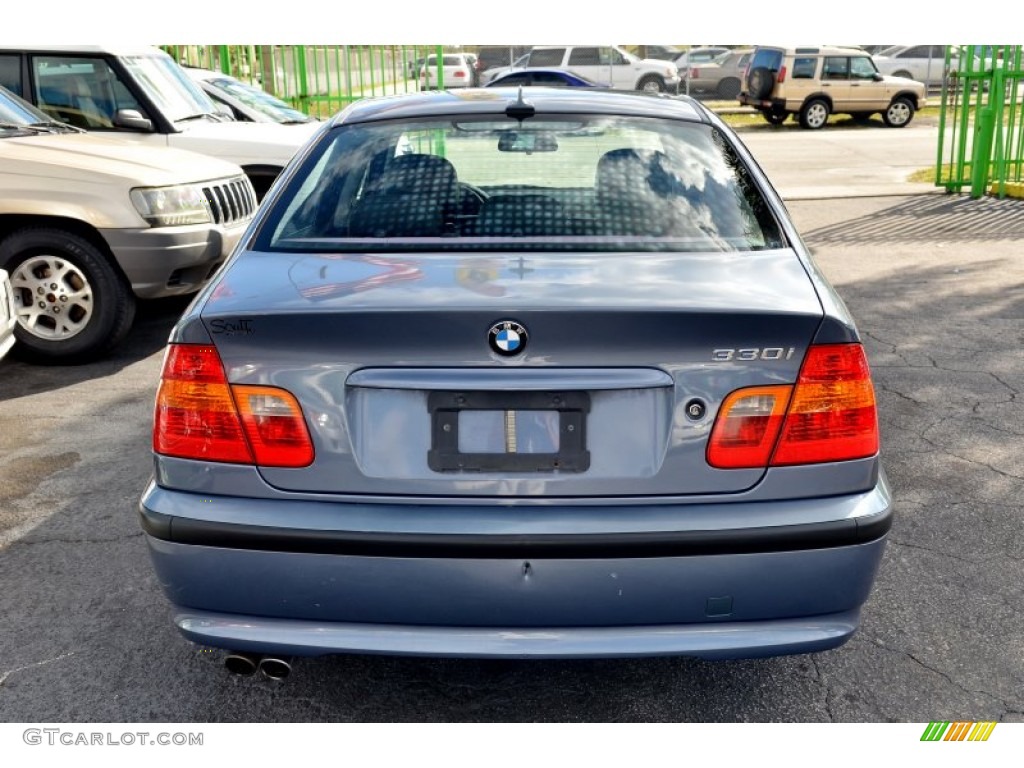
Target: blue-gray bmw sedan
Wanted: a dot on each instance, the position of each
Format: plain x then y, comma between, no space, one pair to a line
497,374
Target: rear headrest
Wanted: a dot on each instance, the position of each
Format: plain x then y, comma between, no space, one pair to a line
418,174
630,169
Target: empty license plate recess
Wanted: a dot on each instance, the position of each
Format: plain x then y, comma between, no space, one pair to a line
508,431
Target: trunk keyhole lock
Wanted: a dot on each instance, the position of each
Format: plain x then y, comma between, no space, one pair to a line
695,409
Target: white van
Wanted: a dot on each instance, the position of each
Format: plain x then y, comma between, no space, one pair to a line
143,95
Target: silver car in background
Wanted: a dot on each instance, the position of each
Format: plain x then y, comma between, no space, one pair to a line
563,381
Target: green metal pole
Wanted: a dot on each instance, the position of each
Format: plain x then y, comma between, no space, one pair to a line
303,87
440,67
996,99
348,76
225,60
944,105
981,154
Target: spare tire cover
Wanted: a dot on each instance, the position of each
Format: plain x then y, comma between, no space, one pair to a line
760,82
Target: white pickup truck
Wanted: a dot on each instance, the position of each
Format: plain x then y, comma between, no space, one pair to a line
609,64
144,96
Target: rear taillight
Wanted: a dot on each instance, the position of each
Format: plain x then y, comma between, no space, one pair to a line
747,427
833,416
829,415
460,73
274,425
694,72
198,415
781,77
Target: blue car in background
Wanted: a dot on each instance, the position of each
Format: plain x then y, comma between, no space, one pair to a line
550,78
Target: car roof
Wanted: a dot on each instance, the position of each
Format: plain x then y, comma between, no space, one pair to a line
813,50
198,73
493,101
106,50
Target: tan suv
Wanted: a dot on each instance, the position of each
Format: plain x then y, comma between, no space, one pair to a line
816,81
89,224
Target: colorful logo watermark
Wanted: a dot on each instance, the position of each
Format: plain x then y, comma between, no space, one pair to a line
958,731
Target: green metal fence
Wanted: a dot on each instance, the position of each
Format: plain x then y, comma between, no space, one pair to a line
981,123
318,79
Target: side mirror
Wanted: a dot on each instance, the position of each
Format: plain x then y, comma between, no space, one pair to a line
878,77
132,119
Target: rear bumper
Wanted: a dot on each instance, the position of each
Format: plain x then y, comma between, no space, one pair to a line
714,593
774,105
725,640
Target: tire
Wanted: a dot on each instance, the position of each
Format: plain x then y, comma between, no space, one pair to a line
899,113
72,304
651,84
814,114
760,82
729,88
773,117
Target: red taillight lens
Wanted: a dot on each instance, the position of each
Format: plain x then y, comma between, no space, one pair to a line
195,415
747,426
199,415
460,73
781,77
274,425
833,415
829,415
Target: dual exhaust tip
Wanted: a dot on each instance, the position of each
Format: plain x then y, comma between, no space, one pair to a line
245,664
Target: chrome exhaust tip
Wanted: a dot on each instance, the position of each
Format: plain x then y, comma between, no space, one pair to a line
275,668
242,663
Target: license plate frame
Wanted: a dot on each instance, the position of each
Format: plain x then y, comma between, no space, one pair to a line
572,455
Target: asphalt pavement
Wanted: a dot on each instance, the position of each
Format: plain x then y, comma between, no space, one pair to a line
936,283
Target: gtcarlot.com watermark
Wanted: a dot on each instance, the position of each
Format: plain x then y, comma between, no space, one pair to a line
62,737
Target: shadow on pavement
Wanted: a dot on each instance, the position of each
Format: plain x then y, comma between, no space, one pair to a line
928,217
153,322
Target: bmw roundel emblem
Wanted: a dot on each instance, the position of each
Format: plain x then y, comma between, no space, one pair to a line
507,338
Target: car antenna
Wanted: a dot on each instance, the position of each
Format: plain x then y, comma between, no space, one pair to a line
520,109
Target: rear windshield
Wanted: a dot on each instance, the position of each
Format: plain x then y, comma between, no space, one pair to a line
578,183
768,58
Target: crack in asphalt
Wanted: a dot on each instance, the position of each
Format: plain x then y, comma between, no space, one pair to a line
879,644
5,675
56,540
891,391
826,690
937,552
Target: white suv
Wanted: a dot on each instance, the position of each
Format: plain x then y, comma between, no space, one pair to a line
609,64
88,224
144,96
456,69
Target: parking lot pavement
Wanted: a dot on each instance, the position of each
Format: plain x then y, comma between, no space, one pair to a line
840,163
937,286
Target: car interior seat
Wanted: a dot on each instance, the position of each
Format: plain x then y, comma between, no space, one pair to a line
630,185
527,215
416,195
